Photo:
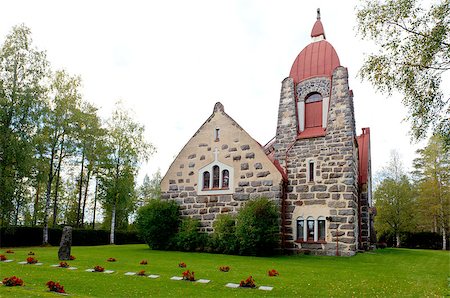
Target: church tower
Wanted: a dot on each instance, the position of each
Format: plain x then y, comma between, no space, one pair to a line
316,144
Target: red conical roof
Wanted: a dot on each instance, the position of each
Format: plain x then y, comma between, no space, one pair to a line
317,59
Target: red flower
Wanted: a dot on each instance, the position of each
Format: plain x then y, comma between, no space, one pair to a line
12,281
31,260
248,283
99,269
141,273
9,251
3,258
224,268
187,275
182,265
72,258
55,287
63,264
273,272
111,260
143,262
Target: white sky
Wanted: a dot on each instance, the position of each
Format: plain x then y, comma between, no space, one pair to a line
171,61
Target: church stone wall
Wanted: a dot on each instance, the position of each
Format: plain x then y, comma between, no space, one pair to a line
254,174
334,193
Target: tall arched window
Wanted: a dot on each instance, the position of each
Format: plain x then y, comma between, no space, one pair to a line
321,228
313,110
216,177
206,180
300,228
310,229
225,178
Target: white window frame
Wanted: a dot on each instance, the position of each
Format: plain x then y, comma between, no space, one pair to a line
316,227
220,190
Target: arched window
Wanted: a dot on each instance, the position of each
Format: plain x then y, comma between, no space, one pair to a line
206,180
321,228
310,229
300,228
216,177
313,110
225,178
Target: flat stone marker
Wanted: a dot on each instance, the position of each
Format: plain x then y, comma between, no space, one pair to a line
232,285
23,263
153,276
176,278
89,270
54,265
265,288
203,281
108,271
7,261
39,264
72,268
130,273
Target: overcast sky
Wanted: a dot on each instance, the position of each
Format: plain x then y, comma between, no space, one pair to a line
171,61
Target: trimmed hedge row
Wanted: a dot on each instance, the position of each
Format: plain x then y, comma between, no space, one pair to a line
32,236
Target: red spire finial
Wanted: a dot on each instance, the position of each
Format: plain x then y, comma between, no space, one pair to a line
317,30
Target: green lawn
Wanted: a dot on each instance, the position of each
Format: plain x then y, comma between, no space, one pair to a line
383,273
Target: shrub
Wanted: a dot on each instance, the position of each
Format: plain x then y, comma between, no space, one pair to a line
257,228
157,223
12,281
224,237
188,237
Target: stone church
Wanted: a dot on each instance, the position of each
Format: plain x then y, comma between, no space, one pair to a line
316,168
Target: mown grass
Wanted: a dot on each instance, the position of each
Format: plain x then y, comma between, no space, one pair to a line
383,273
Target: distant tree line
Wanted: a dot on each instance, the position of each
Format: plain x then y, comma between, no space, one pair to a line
59,160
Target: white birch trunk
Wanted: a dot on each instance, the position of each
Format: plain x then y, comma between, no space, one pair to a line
113,223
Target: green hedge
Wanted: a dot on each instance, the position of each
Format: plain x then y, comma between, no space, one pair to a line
32,236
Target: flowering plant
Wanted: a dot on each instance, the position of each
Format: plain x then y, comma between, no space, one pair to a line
273,272
31,260
9,251
187,275
248,283
63,265
31,253
141,273
182,265
224,268
72,258
99,269
143,262
12,281
3,258
111,260
55,287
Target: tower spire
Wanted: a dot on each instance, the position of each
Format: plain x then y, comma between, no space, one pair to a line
317,32
318,13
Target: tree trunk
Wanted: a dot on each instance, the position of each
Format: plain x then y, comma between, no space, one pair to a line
85,196
113,223
95,203
81,189
36,202
48,200
55,199
397,239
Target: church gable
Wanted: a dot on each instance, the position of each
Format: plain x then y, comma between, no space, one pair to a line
219,169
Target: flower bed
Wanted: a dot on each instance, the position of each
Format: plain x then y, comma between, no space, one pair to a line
189,276
224,268
31,260
12,281
141,273
72,258
111,260
3,258
55,287
273,272
182,265
99,269
143,262
63,265
248,283
9,251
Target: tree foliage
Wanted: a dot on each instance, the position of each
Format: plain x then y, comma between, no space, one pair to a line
413,51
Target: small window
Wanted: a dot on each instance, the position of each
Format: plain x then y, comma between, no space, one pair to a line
313,97
225,178
321,228
206,180
216,134
300,228
310,229
311,171
216,177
